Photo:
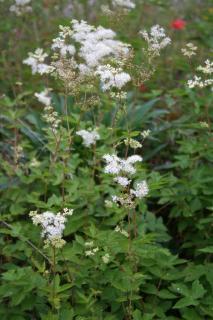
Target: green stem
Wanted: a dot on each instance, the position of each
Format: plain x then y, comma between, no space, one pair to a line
54,273
28,242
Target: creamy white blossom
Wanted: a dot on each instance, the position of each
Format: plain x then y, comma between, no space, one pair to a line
204,124
62,42
96,44
108,204
156,39
89,244
91,249
141,190
112,77
52,225
207,68
51,117
63,47
132,143
201,81
122,231
44,97
145,133
127,4
106,258
35,163
189,50
36,62
89,137
115,165
123,181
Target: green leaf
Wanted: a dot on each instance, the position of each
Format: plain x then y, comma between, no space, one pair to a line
137,315
207,249
185,302
198,290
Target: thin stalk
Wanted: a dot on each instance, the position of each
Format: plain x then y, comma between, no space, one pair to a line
28,242
54,273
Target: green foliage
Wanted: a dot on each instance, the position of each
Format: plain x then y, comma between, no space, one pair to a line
163,270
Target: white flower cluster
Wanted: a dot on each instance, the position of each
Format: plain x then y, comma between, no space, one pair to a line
121,168
50,115
36,62
112,77
91,249
126,4
44,97
145,133
123,181
116,165
141,190
60,42
106,258
96,45
20,7
189,50
204,124
156,39
134,144
89,137
207,68
52,225
91,47
199,82
35,163
122,231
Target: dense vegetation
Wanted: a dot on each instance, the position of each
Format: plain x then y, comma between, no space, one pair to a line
106,179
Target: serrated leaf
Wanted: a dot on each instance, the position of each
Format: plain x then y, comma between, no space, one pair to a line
185,302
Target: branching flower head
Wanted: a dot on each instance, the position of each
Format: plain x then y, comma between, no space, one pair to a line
156,39
52,225
141,190
201,81
36,62
62,44
122,169
112,77
116,165
96,44
189,50
89,137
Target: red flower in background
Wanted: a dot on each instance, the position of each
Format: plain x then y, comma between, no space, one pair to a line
143,88
178,24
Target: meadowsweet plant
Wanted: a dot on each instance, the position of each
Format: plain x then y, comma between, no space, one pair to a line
106,201
89,57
